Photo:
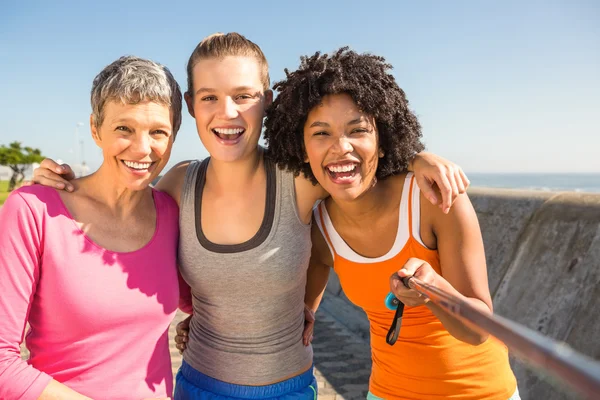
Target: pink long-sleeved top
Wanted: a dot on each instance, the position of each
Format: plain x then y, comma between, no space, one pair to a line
98,319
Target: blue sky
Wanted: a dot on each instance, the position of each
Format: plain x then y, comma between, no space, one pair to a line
498,86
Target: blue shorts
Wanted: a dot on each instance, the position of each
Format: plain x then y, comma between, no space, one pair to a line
194,385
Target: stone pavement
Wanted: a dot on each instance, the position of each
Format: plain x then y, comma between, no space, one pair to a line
342,359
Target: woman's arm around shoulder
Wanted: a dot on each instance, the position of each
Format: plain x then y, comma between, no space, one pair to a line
172,182
319,266
316,279
438,178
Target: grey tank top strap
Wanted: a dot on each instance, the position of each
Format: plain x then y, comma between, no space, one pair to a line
187,195
248,298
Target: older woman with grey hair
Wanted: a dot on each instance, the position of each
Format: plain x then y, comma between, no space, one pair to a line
94,271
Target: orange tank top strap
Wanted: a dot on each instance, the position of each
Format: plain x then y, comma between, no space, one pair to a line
414,222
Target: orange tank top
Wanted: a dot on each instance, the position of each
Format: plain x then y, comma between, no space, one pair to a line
426,362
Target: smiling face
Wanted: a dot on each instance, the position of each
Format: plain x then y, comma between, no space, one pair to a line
341,146
136,141
228,104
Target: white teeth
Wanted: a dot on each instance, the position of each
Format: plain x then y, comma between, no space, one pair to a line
229,131
137,165
342,168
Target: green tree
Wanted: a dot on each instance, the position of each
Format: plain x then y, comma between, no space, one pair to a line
18,158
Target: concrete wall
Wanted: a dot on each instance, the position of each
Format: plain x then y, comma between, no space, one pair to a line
543,259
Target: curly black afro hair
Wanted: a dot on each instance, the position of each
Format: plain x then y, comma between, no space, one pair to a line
366,79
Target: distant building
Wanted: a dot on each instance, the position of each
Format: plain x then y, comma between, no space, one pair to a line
81,169
6,173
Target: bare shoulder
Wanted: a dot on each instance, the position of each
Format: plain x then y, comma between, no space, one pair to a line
461,214
307,195
172,182
396,182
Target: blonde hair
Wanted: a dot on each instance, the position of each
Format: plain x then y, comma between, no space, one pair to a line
219,45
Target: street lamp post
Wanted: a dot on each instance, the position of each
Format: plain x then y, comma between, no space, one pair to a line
77,146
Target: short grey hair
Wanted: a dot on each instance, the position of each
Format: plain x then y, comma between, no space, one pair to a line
132,80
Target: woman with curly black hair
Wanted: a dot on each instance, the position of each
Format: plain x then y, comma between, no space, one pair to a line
342,121
374,91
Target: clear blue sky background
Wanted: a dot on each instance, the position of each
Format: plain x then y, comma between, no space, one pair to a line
506,86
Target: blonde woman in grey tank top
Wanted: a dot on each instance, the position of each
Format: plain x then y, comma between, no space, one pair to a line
244,243
245,240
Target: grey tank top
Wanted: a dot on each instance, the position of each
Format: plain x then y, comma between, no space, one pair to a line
248,298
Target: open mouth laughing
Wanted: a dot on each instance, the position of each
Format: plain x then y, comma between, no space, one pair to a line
138,167
342,172
228,134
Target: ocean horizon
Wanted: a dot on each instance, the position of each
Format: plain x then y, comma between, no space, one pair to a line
549,182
